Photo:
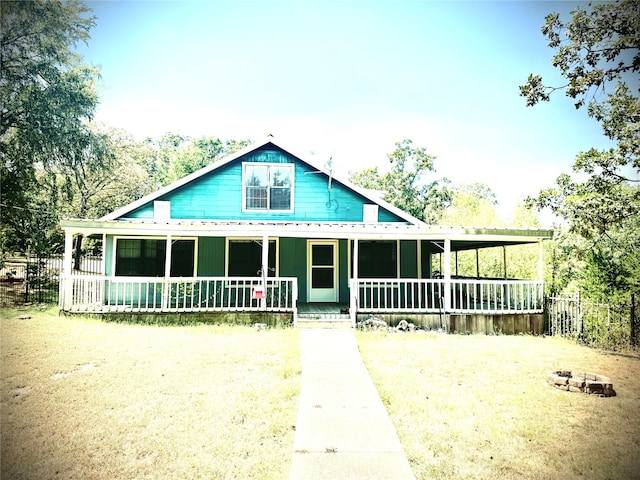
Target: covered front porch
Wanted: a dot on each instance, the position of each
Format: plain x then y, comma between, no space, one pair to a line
295,274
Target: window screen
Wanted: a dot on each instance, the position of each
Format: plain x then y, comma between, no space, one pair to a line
140,257
146,257
378,259
245,258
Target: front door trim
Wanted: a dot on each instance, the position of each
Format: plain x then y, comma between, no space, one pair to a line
322,294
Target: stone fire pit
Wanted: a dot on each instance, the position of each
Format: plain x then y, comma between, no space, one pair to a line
589,383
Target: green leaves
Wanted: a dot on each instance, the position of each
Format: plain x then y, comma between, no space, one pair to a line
405,185
596,50
177,156
47,98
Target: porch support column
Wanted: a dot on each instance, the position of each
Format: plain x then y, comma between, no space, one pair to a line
66,286
353,306
265,270
447,275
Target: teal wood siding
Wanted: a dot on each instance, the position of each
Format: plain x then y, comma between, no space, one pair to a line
408,259
211,256
218,196
293,263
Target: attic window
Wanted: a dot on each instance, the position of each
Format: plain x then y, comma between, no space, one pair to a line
267,187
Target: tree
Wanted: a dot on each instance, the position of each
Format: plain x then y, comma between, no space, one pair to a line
47,97
405,186
178,156
472,205
598,52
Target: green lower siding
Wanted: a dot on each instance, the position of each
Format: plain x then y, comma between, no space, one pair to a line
293,263
408,259
343,271
211,256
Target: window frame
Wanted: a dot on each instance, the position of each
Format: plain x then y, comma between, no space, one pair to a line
252,239
268,209
114,259
351,262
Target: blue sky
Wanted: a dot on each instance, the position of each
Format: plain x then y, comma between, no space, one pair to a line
347,79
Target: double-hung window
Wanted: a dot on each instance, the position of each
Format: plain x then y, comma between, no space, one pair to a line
268,187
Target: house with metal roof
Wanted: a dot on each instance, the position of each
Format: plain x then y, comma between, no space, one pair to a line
267,235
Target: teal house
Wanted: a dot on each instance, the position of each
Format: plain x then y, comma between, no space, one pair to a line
266,232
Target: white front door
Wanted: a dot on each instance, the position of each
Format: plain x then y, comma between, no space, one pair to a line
322,268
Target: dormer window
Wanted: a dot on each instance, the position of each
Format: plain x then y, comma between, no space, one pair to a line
267,187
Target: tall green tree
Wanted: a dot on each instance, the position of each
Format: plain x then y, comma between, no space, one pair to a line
406,185
177,156
47,96
472,205
598,53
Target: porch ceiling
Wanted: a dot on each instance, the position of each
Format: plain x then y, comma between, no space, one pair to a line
462,238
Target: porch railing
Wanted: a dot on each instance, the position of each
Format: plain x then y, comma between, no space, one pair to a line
101,294
466,296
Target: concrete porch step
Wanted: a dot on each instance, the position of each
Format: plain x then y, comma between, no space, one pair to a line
314,320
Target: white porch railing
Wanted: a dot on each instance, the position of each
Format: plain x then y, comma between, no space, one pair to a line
102,294
466,296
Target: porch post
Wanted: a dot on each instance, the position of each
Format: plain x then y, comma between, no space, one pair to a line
353,306
67,283
447,275
265,270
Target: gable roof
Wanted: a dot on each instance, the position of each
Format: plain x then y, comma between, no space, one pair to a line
367,194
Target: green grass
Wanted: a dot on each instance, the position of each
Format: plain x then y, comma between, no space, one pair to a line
88,399
478,407
81,398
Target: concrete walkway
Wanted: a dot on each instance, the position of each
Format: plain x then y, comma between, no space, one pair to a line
343,430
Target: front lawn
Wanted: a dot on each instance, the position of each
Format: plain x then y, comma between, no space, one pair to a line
86,399
478,407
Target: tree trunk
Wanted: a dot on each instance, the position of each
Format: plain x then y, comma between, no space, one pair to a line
77,254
